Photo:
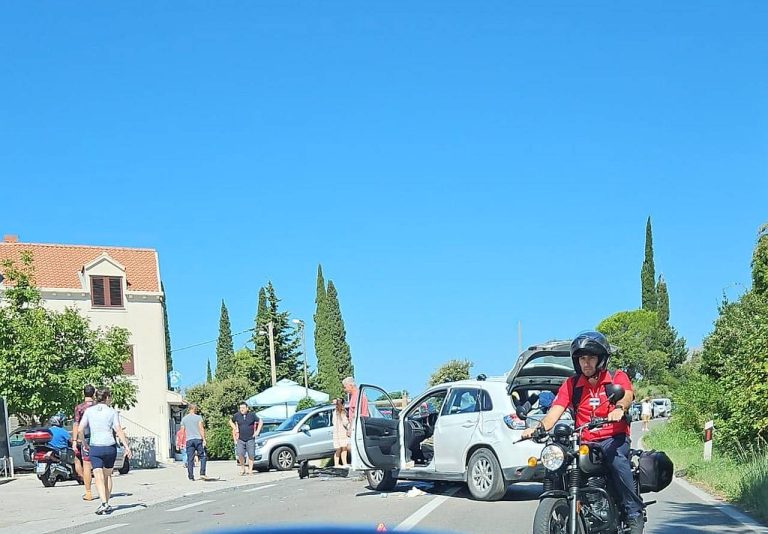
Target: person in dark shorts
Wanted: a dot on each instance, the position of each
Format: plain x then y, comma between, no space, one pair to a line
82,460
103,423
246,426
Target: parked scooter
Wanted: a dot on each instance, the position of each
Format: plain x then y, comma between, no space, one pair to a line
51,465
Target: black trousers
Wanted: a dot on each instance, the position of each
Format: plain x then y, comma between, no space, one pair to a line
195,446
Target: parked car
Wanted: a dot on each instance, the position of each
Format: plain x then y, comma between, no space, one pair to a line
270,424
306,435
661,407
18,444
457,432
634,411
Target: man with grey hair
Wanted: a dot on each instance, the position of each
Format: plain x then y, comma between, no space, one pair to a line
354,393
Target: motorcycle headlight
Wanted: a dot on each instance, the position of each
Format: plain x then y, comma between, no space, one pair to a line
552,457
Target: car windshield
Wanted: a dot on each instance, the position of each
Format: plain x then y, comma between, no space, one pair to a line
291,422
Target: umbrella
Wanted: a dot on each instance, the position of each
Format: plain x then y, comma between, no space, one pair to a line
286,392
278,411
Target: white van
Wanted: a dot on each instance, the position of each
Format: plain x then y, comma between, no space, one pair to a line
661,407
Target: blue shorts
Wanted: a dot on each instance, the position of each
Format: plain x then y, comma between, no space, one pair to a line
103,456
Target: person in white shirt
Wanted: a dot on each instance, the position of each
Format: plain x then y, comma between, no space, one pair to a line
103,424
645,412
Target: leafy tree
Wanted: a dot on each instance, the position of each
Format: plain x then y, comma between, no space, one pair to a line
634,333
261,342
224,350
760,262
450,371
392,395
338,336
648,272
208,374
306,402
47,356
168,354
256,371
662,298
287,344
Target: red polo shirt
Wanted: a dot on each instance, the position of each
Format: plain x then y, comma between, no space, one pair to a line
594,403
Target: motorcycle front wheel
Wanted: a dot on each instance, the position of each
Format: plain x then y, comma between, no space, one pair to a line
552,518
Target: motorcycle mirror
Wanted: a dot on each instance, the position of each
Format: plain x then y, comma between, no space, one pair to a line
522,411
614,393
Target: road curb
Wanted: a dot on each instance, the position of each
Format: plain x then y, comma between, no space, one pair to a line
728,509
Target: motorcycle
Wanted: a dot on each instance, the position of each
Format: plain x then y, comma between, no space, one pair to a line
578,496
51,465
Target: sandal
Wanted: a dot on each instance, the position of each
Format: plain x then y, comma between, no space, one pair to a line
88,497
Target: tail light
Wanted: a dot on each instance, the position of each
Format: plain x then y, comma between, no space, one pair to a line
41,456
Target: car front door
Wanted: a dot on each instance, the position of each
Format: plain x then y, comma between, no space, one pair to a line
455,428
376,435
317,439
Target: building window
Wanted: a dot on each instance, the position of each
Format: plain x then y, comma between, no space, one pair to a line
128,368
107,291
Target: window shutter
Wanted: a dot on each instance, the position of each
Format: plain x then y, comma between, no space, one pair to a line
97,291
128,365
115,292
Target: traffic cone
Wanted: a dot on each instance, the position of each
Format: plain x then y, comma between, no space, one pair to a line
381,528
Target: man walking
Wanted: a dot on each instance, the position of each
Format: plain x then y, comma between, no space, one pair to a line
193,428
246,427
82,460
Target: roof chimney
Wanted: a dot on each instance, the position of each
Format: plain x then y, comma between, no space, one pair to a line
10,238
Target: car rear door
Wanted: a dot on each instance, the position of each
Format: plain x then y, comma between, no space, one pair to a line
455,428
376,437
319,437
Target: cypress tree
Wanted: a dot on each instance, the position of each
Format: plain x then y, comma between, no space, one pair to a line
208,375
648,272
662,298
225,365
341,355
261,343
168,356
327,373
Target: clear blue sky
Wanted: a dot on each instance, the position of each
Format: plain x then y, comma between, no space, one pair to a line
456,167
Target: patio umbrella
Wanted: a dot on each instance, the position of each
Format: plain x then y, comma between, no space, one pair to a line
286,392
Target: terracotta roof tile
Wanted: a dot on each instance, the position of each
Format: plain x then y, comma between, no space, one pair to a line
57,266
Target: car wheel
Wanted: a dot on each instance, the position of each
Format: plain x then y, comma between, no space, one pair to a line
283,458
484,476
380,480
125,467
262,469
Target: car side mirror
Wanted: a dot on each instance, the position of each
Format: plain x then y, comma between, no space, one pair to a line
304,428
522,411
614,393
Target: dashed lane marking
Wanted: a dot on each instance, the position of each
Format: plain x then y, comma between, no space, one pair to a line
192,505
106,529
259,488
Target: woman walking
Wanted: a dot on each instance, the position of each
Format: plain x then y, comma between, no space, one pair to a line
104,425
340,440
645,412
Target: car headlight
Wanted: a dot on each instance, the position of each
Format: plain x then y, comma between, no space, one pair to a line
260,444
553,457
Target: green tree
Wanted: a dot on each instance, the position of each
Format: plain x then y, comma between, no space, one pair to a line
256,371
760,262
342,357
224,349
648,272
287,343
328,379
259,338
168,354
306,402
47,356
208,374
635,334
662,299
450,371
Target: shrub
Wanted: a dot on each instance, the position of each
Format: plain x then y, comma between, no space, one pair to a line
305,403
219,443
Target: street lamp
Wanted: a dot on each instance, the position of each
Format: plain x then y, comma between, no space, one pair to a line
270,333
300,324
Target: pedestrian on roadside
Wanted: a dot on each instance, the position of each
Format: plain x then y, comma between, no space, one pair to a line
192,424
246,427
340,423
181,444
353,392
645,412
104,424
82,460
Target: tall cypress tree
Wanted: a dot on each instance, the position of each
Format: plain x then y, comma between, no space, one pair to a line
327,373
225,364
648,272
261,342
208,375
341,355
662,298
168,356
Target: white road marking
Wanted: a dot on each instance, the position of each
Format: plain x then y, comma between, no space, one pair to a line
731,511
105,529
416,517
259,488
180,508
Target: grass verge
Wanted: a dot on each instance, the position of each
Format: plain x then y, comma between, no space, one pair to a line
742,480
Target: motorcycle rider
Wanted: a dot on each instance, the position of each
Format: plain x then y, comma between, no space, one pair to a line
59,436
590,352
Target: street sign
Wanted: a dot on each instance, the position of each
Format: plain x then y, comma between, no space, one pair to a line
708,427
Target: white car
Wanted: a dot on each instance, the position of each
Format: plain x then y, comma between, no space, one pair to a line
661,407
456,431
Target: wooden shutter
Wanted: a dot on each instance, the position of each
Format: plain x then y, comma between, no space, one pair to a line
115,291
97,291
128,365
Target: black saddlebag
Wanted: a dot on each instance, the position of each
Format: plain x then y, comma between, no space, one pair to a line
655,471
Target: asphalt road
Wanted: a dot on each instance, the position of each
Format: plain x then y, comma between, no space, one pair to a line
343,501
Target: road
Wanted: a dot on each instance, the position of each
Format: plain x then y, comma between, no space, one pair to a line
333,500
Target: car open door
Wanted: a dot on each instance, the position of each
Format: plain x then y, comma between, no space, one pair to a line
375,441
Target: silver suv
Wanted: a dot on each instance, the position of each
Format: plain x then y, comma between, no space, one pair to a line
306,435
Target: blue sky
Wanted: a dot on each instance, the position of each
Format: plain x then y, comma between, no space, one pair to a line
456,167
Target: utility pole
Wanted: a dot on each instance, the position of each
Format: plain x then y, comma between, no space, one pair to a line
300,324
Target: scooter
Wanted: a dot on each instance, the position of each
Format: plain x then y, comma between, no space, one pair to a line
51,465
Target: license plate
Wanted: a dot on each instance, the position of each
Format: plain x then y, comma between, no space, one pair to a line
40,468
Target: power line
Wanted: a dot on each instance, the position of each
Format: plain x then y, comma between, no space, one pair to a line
211,341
